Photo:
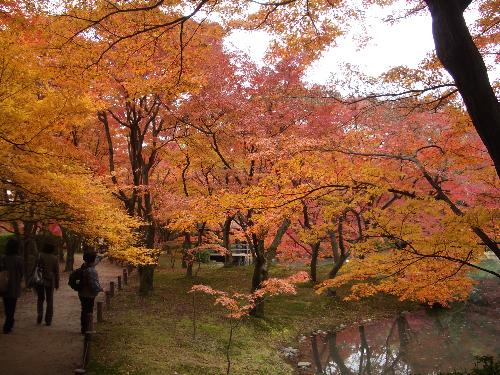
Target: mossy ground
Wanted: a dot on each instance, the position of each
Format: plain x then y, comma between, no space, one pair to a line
154,335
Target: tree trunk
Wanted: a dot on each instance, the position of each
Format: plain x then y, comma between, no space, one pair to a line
460,57
187,258
260,273
339,257
73,244
228,259
70,259
146,274
336,267
314,261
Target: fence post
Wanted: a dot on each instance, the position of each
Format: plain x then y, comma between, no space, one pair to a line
108,299
99,312
112,288
125,276
119,282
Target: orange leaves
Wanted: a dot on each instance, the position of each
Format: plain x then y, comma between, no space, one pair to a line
238,305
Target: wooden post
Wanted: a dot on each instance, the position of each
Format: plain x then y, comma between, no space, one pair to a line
108,299
125,276
99,312
119,282
112,288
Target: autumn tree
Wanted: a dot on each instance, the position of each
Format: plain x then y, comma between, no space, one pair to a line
310,26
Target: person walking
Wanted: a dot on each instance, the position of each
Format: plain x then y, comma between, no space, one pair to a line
90,288
12,263
49,264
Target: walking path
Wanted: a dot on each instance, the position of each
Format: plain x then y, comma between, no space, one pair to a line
55,350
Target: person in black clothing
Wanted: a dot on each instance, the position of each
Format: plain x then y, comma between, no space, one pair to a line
49,264
13,263
90,288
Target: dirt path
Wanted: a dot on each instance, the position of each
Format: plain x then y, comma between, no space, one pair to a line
55,350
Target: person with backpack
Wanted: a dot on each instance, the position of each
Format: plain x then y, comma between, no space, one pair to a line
12,267
49,265
86,281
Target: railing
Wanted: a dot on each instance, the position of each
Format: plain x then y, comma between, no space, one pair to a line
108,294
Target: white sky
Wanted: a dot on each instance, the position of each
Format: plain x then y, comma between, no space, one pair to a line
407,42
404,43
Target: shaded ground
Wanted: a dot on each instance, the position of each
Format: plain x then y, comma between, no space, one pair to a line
42,350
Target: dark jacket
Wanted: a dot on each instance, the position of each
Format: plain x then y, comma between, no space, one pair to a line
91,286
13,264
50,269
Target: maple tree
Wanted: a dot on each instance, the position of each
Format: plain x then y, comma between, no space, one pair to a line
311,25
45,178
239,306
200,143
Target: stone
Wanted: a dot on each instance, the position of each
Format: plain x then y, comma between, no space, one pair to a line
290,352
304,365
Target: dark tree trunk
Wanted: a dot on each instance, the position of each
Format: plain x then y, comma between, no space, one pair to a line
262,257
314,261
226,229
260,273
70,259
187,258
340,254
61,253
73,244
460,57
146,274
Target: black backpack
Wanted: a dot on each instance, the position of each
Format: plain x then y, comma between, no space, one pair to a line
76,279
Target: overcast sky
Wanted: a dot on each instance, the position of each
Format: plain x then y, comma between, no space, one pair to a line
404,43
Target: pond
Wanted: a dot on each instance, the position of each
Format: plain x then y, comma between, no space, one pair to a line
423,342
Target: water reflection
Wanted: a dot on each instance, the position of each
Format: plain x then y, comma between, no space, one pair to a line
417,343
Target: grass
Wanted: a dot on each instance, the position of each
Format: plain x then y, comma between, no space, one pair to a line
154,335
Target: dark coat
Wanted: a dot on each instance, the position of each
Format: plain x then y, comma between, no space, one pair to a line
13,264
91,286
50,269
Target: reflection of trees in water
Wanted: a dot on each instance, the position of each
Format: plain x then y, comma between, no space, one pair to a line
361,359
418,343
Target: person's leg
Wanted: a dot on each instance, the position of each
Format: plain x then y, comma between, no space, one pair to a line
12,312
87,308
10,308
5,309
40,291
83,327
49,293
